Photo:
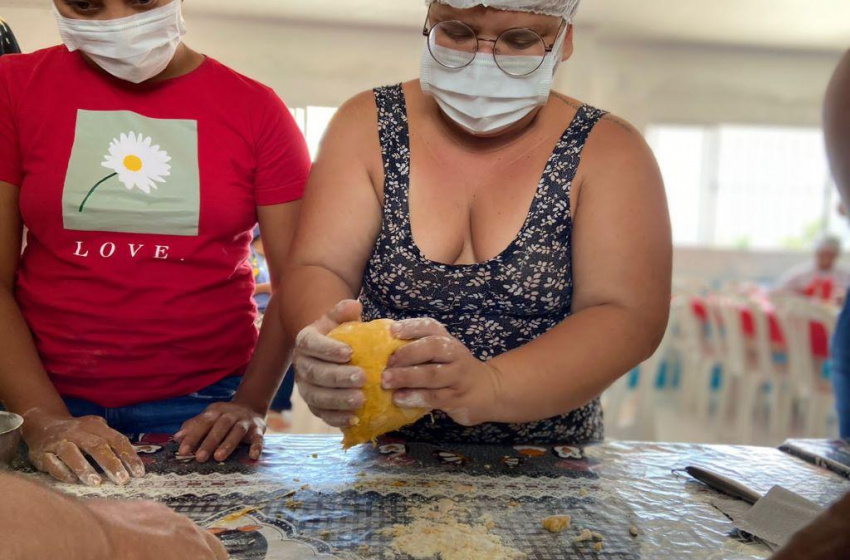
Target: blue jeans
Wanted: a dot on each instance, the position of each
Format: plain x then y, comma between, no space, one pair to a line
158,417
841,369
283,400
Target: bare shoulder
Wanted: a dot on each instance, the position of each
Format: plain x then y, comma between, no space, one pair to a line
619,161
353,130
609,129
357,113
616,142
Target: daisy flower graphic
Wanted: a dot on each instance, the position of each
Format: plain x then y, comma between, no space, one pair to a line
135,162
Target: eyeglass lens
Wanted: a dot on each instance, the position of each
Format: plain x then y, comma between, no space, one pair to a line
518,52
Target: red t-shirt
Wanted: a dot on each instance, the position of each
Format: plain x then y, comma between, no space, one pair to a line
140,201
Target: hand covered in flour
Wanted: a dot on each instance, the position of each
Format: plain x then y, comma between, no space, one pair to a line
329,386
219,430
59,445
826,538
139,530
437,371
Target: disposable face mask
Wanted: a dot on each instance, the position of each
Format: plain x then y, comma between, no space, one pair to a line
480,97
134,48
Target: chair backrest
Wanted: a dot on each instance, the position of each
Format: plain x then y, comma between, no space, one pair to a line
761,337
796,316
727,334
685,331
715,339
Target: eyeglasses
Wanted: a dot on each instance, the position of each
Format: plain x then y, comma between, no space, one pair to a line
518,52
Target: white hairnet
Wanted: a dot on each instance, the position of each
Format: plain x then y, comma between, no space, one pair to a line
829,243
562,8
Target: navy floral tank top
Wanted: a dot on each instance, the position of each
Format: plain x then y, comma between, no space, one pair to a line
493,306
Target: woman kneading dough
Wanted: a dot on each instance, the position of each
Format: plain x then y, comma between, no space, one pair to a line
518,238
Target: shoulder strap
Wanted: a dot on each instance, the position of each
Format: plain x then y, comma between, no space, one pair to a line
394,137
567,154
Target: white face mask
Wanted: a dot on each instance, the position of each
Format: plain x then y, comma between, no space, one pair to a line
480,97
134,48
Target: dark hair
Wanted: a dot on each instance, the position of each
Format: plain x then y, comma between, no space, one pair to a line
8,43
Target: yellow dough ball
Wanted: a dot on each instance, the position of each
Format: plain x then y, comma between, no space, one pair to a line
373,344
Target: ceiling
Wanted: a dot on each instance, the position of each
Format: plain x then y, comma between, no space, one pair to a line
797,24
793,24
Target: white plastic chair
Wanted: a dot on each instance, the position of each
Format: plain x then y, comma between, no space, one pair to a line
741,379
759,371
807,388
641,425
775,375
698,353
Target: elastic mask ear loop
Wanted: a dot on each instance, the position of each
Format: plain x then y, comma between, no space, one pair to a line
557,52
558,47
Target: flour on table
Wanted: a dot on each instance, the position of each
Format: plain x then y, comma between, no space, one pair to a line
436,533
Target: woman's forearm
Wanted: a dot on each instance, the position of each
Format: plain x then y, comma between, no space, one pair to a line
269,363
75,533
24,384
574,362
309,292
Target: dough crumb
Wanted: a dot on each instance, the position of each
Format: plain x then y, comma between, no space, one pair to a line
436,532
293,504
315,455
583,493
597,536
585,535
598,547
557,523
513,504
633,531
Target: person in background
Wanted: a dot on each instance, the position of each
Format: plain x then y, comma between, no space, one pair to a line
518,237
279,417
262,278
837,128
139,168
823,280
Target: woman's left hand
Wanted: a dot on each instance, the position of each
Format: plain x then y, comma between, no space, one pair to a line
219,430
437,371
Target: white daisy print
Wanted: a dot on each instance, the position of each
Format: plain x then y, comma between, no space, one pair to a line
136,162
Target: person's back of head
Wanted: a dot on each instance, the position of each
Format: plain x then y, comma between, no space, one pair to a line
827,252
8,43
836,120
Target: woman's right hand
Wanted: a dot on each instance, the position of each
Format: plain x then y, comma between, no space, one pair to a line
330,387
59,444
139,530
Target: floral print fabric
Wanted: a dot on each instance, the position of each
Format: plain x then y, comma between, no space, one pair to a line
493,306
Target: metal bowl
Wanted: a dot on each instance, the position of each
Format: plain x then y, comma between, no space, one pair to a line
10,436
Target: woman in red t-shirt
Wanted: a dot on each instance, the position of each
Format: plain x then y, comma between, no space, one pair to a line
139,169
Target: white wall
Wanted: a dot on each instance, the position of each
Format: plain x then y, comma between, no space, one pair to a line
715,267
315,64
692,83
